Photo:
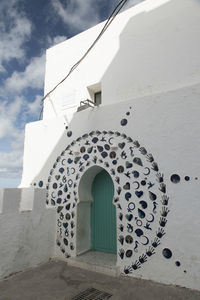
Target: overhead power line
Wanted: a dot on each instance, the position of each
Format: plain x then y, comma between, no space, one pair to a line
106,25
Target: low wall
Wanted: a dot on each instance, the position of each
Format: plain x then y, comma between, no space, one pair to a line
27,229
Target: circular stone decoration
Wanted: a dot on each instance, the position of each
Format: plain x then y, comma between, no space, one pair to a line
40,184
167,253
124,122
177,263
129,253
69,133
175,178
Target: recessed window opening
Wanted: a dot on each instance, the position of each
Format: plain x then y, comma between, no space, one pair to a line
97,98
95,93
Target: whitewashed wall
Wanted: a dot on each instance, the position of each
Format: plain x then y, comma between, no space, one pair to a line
167,125
27,229
151,48
150,82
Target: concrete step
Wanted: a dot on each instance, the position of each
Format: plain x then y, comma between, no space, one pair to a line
100,262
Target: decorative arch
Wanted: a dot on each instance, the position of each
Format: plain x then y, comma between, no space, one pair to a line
139,194
85,183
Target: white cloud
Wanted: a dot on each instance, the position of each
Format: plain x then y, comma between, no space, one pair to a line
11,164
11,158
55,40
32,76
8,116
33,108
15,29
12,115
78,14
15,113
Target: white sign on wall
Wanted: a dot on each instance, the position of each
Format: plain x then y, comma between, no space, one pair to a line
69,100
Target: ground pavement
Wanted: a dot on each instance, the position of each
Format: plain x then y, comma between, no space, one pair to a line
56,280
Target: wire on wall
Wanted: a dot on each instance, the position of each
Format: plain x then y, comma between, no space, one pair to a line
106,25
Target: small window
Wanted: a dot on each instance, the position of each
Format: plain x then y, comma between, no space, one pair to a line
97,98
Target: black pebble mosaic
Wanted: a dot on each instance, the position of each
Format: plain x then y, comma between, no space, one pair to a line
138,190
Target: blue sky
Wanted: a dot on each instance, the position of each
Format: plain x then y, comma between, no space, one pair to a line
27,29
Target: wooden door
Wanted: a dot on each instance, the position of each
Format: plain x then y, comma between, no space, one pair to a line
103,214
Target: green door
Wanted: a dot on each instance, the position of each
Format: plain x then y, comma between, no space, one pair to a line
103,214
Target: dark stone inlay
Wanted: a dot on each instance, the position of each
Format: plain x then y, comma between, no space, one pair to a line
167,253
175,178
69,133
124,122
40,183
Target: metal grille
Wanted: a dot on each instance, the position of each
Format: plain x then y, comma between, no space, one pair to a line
92,294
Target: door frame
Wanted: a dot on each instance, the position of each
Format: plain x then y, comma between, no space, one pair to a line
83,210
112,214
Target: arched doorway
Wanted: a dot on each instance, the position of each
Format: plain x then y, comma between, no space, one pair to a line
103,214
93,180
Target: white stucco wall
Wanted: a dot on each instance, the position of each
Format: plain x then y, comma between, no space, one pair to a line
27,229
167,125
41,140
151,48
150,69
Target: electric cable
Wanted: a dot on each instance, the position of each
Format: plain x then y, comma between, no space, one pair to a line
106,25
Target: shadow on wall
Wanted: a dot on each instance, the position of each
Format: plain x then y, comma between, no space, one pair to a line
27,229
155,48
118,83
51,136
143,67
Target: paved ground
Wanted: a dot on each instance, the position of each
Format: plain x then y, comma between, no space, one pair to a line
58,281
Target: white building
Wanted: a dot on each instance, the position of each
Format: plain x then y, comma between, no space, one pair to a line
138,149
